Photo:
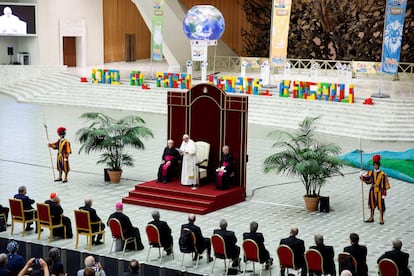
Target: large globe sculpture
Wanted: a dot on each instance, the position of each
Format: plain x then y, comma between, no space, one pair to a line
203,22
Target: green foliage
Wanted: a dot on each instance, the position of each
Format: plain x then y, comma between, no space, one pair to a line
301,153
110,136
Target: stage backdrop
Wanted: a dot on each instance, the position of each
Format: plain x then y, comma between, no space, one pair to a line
208,114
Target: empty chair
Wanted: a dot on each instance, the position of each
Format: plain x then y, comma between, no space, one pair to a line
18,214
118,234
286,258
44,220
387,267
84,227
154,240
203,153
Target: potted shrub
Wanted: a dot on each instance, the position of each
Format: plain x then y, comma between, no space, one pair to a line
302,153
110,137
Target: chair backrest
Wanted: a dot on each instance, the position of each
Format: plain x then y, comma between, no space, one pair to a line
16,208
347,261
43,213
116,228
314,260
203,152
153,234
286,256
387,267
219,245
82,220
251,250
187,241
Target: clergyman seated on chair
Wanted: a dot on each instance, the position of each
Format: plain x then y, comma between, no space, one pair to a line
164,230
56,212
128,228
264,256
398,256
298,248
232,250
96,222
169,162
27,205
359,252
201,242
327,253
224,170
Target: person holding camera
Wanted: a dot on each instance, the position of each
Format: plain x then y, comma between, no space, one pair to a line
90,263
35,266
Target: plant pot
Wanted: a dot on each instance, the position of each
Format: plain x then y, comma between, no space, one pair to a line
114,176
311,203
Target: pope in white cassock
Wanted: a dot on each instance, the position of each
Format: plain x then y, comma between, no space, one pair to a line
188,150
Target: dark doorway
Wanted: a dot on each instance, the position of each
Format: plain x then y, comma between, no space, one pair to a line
130,47
69,51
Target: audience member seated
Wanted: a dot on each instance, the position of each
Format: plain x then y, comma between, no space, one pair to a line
3,265
298,248
27,205
133,268
169,161
232,250
327,253
359,252
128,228
89,271
94,219
264,256
399,257
90,263
35,267
201,242
56,212
16,262
53,262
5,211
164,230
224,170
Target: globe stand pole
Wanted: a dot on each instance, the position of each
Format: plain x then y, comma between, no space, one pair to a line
380,88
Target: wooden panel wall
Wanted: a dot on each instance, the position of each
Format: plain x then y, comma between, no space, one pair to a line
234,17
122,17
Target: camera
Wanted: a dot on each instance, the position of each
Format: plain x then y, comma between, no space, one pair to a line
36,261
96,267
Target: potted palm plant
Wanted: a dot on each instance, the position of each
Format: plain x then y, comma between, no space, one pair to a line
302,153
110,137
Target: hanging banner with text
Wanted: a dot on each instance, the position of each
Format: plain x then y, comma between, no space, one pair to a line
156,32
393,32
279,31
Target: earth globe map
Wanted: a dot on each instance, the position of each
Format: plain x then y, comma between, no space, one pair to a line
203,22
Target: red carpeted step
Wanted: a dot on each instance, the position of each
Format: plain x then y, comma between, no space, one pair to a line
170,197
167,205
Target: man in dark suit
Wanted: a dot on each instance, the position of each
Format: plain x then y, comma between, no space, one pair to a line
399,257
127,227
232,250
201,242
96,222
298,248
56,212
327,253
133,268
27,205
359,252
264,255
164,230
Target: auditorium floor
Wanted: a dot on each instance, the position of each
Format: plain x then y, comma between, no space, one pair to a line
274,201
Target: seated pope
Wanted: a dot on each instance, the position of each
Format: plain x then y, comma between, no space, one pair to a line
224,170
169,162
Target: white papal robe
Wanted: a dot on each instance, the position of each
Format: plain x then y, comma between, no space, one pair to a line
189,169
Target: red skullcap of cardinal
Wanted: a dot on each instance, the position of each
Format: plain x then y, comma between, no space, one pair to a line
61,131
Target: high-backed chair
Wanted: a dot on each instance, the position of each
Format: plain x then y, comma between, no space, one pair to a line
44,220
203,153
219,247
18,214
347,261
314,261
286,258
387,267
118,234
190,249
154,240
251,254
84,227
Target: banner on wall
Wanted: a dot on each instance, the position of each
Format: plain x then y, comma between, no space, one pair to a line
393,32
156,32
279,31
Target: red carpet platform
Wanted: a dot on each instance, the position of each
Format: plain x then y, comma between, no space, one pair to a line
174,196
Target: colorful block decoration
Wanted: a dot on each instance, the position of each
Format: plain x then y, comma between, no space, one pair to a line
173,80
136,77
232,84
321,91
108,76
